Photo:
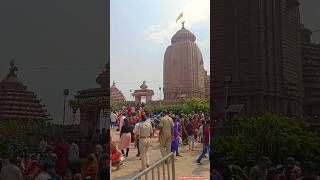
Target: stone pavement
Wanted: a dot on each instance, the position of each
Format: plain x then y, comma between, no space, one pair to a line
185,165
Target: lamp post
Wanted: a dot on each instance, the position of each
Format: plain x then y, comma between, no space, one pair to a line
74,111
227,80
65,94
160,93
130,95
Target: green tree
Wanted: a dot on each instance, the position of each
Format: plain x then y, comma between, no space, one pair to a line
116,105
195,104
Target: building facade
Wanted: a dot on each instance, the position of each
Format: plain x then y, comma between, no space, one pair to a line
311,74
256,57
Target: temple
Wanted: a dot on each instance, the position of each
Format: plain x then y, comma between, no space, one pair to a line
257,57
184,75
143,95
311,74
92,103
17,103
116,94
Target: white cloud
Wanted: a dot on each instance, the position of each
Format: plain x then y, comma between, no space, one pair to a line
194,12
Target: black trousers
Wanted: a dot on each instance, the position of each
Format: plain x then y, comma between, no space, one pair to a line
138,146
126,152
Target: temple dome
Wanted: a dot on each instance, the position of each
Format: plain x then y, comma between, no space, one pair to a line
17,102
183,35
144,85
103,78
116,94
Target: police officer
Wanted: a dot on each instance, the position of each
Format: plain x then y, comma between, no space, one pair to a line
165,134
144,134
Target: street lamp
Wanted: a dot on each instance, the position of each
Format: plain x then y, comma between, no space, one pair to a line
160,93
227,80
65,94
74,111
130,95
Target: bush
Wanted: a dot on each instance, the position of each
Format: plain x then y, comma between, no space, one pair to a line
185,107
270,135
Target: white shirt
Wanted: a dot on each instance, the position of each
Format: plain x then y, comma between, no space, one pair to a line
135,130
43,176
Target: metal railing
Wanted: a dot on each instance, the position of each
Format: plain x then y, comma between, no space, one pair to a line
154,170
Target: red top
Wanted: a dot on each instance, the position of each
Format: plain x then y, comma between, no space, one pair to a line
206,134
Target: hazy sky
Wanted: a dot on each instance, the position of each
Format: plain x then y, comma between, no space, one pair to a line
141,30
54,34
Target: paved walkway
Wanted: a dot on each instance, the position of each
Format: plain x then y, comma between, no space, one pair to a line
185,165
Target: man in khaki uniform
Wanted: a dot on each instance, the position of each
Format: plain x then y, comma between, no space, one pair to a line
144,134
165,134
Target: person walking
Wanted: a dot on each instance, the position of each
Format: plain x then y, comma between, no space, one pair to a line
135,131
144,135
113,118
125,137
190,132
206,142
165,134
176,136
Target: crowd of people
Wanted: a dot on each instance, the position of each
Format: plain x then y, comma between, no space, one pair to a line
135,125
265,169
61,160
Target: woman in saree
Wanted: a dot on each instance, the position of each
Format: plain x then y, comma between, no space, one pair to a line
125,137
115,154
90,168
184,135
176,135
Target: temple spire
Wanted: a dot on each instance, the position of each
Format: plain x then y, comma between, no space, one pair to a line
183,24
13,68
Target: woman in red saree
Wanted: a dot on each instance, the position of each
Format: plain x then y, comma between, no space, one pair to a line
62,150
89,169
115,154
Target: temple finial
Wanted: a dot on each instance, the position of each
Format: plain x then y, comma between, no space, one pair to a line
183,24
13,68
114,83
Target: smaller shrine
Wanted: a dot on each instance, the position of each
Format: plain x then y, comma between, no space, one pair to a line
17,103
143,95
92,103
116,94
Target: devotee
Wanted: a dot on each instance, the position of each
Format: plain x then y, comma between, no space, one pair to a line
11,171
115,154
113,119
259,172
104,163
73,151
135,131
47,170
206,142
89,169
77,176
145,132
291,171
190,133
165,134
125,137
67,176
62,151
176,137
200,131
